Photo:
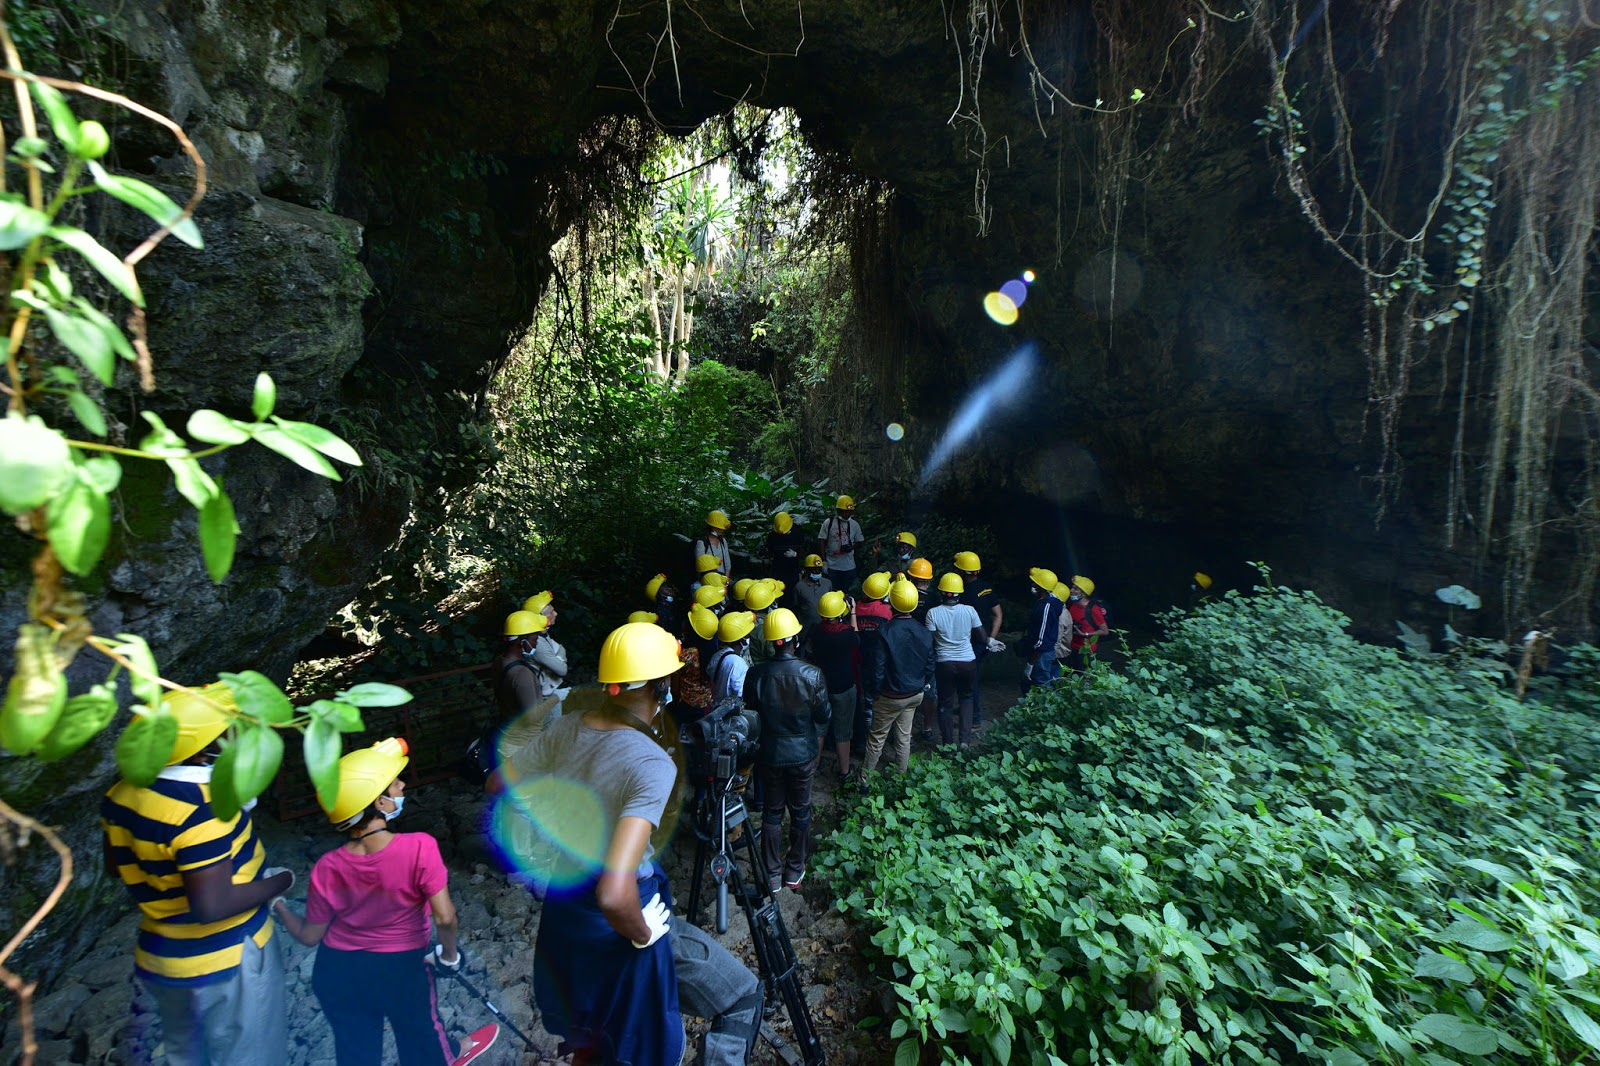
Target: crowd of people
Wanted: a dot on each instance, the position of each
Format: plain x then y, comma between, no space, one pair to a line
591,778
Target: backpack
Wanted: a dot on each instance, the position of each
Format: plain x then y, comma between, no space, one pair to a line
479,760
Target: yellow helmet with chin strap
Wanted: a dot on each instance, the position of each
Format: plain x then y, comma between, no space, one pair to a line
538,601
951,584
1062,591
638,652
968,561
524,624
643,616
921,569
1203,580
876,586
831,605
1044,579
703,622
906,537
735,625
812,561
364,775
704,564
710,595
782,522
203,716
759,596
781,624
741,587
718,520
903,597
714,578
653,586
845,503
1083,584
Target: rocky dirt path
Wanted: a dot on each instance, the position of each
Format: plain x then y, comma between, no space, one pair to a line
97,1014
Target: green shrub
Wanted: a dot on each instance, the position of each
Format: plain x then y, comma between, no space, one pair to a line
1264,841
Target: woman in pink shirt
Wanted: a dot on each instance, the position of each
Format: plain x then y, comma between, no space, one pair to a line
368,909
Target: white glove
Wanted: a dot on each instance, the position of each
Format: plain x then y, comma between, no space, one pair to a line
436,958
268,874
996,645
789,555
658,918
1027,671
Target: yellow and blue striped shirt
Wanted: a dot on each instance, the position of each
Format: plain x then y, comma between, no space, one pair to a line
156,835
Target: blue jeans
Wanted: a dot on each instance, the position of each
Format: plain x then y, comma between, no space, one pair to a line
842,579
1044,671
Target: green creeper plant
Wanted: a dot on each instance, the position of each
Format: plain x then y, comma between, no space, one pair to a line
58,487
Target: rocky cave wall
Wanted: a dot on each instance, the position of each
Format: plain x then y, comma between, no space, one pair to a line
385,187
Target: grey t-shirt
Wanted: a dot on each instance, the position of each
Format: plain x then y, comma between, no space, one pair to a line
577,781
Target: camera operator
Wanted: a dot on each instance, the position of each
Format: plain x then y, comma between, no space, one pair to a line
611,961
792,699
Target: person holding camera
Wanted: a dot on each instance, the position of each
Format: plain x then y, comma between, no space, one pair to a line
792,698
612,963
837,542
367,914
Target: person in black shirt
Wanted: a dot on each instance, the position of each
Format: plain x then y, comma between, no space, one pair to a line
786,546
834,647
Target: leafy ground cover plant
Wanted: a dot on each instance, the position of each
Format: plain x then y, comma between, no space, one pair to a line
1263,841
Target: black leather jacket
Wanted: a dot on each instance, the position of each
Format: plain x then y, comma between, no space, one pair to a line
792,699
904,663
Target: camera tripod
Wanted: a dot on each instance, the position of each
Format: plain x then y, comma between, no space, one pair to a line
718,810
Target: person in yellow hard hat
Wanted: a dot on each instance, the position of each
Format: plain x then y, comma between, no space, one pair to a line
955,628
983,599
367,914
202,887
896,558
809,592
691,686
837,542
760,598
662,597
609,951
1089,622
872,613
714,542
786,545
1038,646
522,673
792,698
835,646
920,574
550,657
902,675
712,597
727,665
705,565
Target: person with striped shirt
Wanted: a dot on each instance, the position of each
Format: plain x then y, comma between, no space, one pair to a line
205,947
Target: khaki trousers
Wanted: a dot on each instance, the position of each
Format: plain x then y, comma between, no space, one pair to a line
892,713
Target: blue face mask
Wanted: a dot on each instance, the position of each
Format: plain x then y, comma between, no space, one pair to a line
399,803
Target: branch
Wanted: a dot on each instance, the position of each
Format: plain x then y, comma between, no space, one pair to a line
24,990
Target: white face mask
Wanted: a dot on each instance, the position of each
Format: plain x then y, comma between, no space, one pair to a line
399,804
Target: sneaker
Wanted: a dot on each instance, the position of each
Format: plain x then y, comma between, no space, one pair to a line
477,1044
792,881
774,884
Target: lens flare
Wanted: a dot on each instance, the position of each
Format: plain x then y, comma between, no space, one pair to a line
894,431
1028,276
1001,308
1016,291
1003,389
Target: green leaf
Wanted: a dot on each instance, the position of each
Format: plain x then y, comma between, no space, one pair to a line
1583,1026
85,340
36,694
78,523
953,1019
145,746
375,694
322,748
1432,964
214,427
83,718
62,120
1000,1045
1464,1036
1474,934
161,440
900,1028
149,199
225,804
102,471
114,335
908,1052
20,224
329,444
194,483
87,411
219,535
258,754
342,716
114,270
144,680
264,398
296,451
35,463
258,697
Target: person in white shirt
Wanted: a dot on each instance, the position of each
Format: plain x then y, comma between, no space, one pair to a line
837,542
955,625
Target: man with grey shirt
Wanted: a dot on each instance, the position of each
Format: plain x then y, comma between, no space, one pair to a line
598,782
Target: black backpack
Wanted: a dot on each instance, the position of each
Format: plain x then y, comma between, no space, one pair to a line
480,760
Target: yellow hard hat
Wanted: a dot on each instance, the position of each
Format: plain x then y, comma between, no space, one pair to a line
1203,580
845,503
364,775
538,601
831,605
643,616
1061,592
968,561
1045,579
1083,584
714,578
704,564
759,596
718,520
741,587
903,596
778,587
782,522
906,537
523,623
952,583
710,595
921,569
638,651
202,716
781,624
735,625
653,586
876,586
703,622
812,560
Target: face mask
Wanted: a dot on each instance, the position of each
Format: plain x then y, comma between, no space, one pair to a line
666,599
399,803
814,577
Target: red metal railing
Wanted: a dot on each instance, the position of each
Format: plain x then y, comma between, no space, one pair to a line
448,710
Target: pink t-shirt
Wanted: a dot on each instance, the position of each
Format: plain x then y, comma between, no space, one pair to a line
377,902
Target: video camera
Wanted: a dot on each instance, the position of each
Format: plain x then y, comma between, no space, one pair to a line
720,742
